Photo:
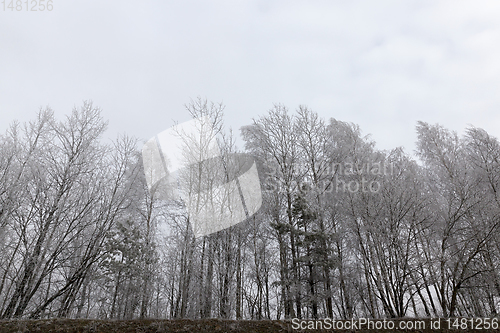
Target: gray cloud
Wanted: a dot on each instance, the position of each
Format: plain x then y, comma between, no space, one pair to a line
383,65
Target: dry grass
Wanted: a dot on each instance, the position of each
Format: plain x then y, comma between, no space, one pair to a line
181,325
141,326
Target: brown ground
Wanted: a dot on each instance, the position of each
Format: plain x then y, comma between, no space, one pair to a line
181,325
140,326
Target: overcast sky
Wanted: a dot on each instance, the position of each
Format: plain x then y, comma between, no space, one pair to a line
383,65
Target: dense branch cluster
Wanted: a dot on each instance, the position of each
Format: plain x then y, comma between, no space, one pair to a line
344,231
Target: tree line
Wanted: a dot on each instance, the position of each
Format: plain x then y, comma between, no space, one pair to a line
345,230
